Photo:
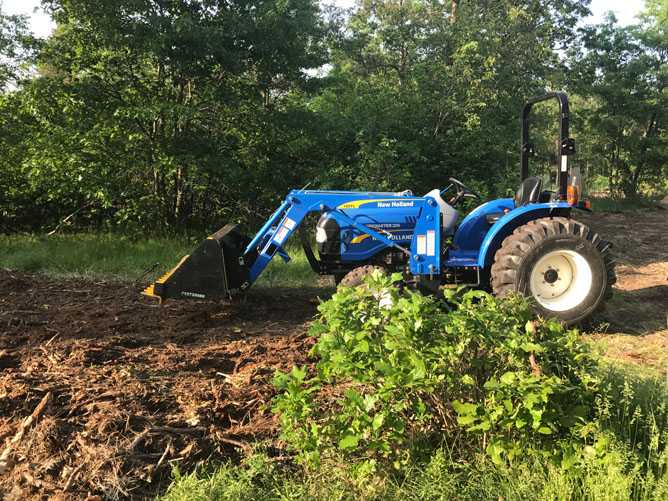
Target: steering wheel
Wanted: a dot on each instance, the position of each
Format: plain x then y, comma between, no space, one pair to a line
463,192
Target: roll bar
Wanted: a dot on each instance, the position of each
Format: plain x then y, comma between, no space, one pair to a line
567,144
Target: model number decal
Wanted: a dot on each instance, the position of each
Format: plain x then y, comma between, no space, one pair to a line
421,244
431,243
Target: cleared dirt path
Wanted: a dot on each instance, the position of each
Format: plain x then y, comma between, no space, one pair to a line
134,387
633,327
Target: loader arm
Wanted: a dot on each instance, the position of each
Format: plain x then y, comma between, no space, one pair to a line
227,263
269,240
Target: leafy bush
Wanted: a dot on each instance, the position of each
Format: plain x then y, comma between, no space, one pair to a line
399,372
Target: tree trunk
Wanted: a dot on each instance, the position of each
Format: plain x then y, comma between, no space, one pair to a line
642,160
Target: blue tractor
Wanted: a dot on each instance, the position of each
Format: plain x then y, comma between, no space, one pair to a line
528,244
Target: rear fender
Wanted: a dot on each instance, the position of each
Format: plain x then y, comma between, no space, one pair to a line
512,220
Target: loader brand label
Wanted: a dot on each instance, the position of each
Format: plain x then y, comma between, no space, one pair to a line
399,236
289,223
396,232
393,236
390,205
193,294
381,203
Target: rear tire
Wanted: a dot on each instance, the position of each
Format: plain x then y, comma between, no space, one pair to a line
356,277
564,266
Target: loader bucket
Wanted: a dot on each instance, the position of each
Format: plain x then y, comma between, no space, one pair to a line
213,270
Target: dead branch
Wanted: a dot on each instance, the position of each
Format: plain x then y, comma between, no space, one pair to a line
52,338
162,459
176,431
137,440
64,221
241,445
27,422
535,368
71,477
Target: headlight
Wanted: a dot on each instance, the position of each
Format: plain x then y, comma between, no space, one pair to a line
320,235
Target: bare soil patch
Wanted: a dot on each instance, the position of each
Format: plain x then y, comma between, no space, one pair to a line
134,388
633,327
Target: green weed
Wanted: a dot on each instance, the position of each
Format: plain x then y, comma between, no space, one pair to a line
119,257
89,255
395,377
611,204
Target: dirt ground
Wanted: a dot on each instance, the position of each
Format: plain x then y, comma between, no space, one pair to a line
129,389
134,388
633,326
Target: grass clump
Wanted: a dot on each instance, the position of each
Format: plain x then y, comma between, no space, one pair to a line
120,257
89,255
443,475
296,273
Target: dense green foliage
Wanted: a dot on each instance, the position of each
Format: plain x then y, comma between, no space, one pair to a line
392,378
622,74
413,400
149,115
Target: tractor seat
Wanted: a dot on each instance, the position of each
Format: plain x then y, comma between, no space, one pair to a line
448,213
529,191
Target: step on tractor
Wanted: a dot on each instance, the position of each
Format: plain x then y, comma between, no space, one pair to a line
528,244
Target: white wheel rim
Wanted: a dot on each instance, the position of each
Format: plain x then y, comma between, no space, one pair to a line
560,280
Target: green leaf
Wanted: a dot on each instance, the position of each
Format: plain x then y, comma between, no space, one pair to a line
465,420
362,347
396,277
298,374
378,420
349,442
464,408
508,378
495,450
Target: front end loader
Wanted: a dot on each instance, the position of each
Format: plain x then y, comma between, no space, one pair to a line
528,244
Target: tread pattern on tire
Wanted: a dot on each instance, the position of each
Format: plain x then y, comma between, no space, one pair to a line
355,277
508,258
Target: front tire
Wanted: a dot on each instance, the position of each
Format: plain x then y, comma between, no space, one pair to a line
564,266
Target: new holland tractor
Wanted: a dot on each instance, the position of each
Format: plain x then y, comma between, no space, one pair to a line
528,244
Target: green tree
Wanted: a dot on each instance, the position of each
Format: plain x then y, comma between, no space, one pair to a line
422,90
17,47
622,73
171,112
